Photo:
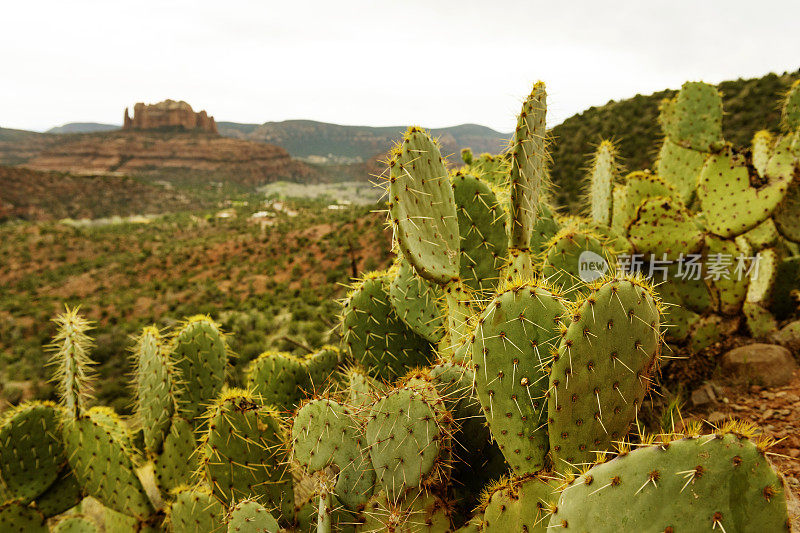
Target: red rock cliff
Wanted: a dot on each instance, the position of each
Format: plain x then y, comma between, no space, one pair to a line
168,114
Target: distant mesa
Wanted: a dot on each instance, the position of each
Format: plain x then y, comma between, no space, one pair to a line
168,115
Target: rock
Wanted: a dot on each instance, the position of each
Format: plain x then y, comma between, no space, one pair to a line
768,364
703,395
789,337
168,114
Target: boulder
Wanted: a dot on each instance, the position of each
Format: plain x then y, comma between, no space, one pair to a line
767,364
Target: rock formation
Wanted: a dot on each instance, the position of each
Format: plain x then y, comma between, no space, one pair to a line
168,114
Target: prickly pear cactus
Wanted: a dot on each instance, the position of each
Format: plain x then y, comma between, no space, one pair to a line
422,208
790,113
307,516
17,518
693,118
156,401
711,482
195,510
279,379
321,366
482,226
529,166
417,302
200,355
326,433
679,167
664,228
762,146
175,464
61,496
248,516
100,457
637,187
512,345
74,524
601,373
408,433
412,512
732,205
568,258
520,504
242,453
373,334
602,176
31,452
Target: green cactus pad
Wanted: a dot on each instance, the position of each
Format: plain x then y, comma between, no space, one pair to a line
709,483
482,226
326,433
568,257
417,302
664,228
790,113
362,389
693,118
730,288
545,228
513,342
322,365
61,496
602,176
16,518
762,282
200,355
31,453
195,510
373,334
242,453
307,513
408,436
638,186
679,167
279,379
529,162
759,320
787,214
766,234
602,370
175,465
731,204
74,524
422,208
413,512
705,331
520,504
154,387
101,460
249,517
762,146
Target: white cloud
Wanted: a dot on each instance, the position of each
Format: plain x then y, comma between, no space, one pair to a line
366,62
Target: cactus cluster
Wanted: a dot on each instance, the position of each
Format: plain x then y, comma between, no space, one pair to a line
487,381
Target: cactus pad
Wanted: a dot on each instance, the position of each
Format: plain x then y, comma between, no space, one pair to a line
373,334
242,452
325,433
408,436
100,457
416,301
787,214
790,113
414,512
31,453
200,355
249,517
61,496
731,204
155,397
602,175
568,258
602,370
513,342
74,524
713,482
279,379
422,207
520,504
175,464
679,167
693,118
195,510
17,518
664,228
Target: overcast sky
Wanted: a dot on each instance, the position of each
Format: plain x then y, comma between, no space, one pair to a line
436,62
